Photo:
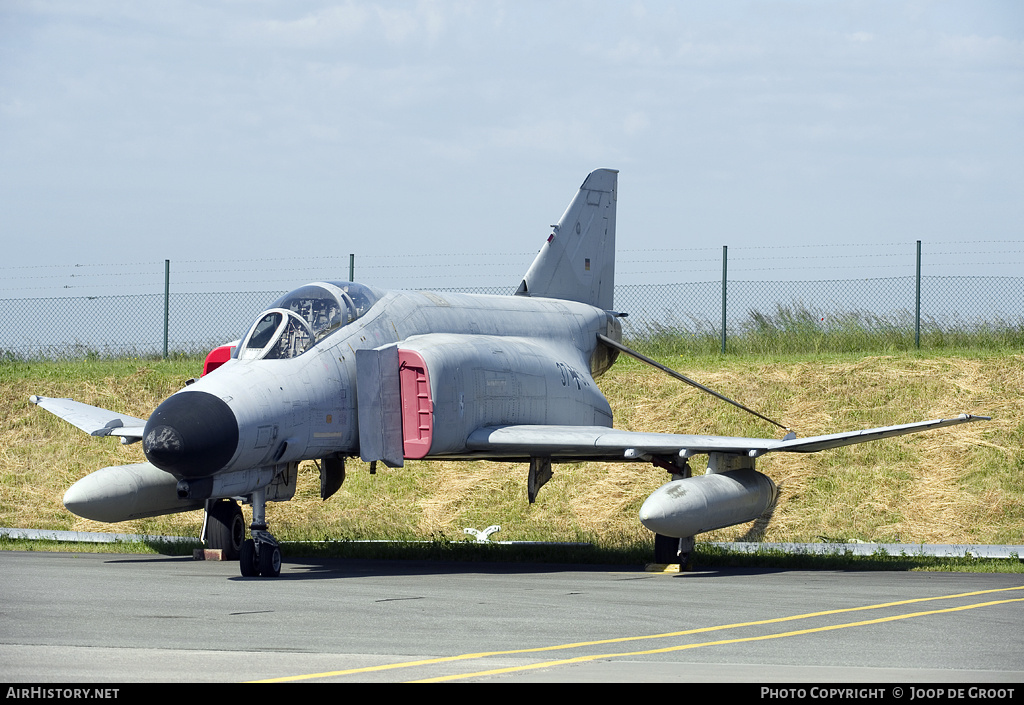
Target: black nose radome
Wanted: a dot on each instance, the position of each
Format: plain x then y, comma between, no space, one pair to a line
191,434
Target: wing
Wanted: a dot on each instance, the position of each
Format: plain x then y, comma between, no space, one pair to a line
609,444
92,419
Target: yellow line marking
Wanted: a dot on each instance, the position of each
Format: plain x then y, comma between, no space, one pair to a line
669,649
617,640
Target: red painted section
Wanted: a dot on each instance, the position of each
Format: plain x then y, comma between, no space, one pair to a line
417,406
216,358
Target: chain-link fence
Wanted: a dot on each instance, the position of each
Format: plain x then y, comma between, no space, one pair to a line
132,325
838,315
62,328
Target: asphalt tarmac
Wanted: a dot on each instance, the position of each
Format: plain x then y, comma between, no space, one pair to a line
102,618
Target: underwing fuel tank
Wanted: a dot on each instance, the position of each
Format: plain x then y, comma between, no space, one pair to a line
124,492
697,504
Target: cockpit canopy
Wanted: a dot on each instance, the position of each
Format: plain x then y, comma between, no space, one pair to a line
300,319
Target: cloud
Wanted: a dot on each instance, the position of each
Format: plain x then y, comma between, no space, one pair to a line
279,104
368,23
319,28
635,122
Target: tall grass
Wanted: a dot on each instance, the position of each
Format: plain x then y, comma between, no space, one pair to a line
798,329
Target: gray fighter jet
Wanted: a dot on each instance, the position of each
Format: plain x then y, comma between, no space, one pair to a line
338,369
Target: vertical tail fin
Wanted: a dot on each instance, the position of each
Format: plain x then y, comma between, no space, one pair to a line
577,262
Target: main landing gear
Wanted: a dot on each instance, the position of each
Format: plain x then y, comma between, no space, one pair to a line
669,550
224,527
260,555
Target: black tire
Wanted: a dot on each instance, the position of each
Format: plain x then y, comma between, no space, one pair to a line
248,562
684,563
666,549
225,528
270,561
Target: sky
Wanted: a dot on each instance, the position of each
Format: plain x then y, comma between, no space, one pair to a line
257,143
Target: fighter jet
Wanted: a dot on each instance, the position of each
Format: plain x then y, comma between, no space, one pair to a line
334,370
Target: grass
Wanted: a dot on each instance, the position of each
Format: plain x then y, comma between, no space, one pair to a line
798,329
959,485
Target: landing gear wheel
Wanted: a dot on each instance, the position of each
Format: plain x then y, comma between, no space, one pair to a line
684,562
225,528
260,555
248,560
666,549
270,561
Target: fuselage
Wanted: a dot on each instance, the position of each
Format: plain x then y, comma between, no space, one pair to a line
487,360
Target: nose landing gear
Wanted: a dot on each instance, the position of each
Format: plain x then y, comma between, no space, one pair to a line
260,555
262,558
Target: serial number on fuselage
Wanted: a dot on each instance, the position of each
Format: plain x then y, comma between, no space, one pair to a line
570,376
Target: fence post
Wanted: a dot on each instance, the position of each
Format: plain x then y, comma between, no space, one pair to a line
167,301
917,307
725,278
351,267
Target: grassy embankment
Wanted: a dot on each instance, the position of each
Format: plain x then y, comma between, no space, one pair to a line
959,485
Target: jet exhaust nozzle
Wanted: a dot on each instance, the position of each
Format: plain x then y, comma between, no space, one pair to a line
694,505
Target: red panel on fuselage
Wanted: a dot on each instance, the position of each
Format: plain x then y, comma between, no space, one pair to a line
417,406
